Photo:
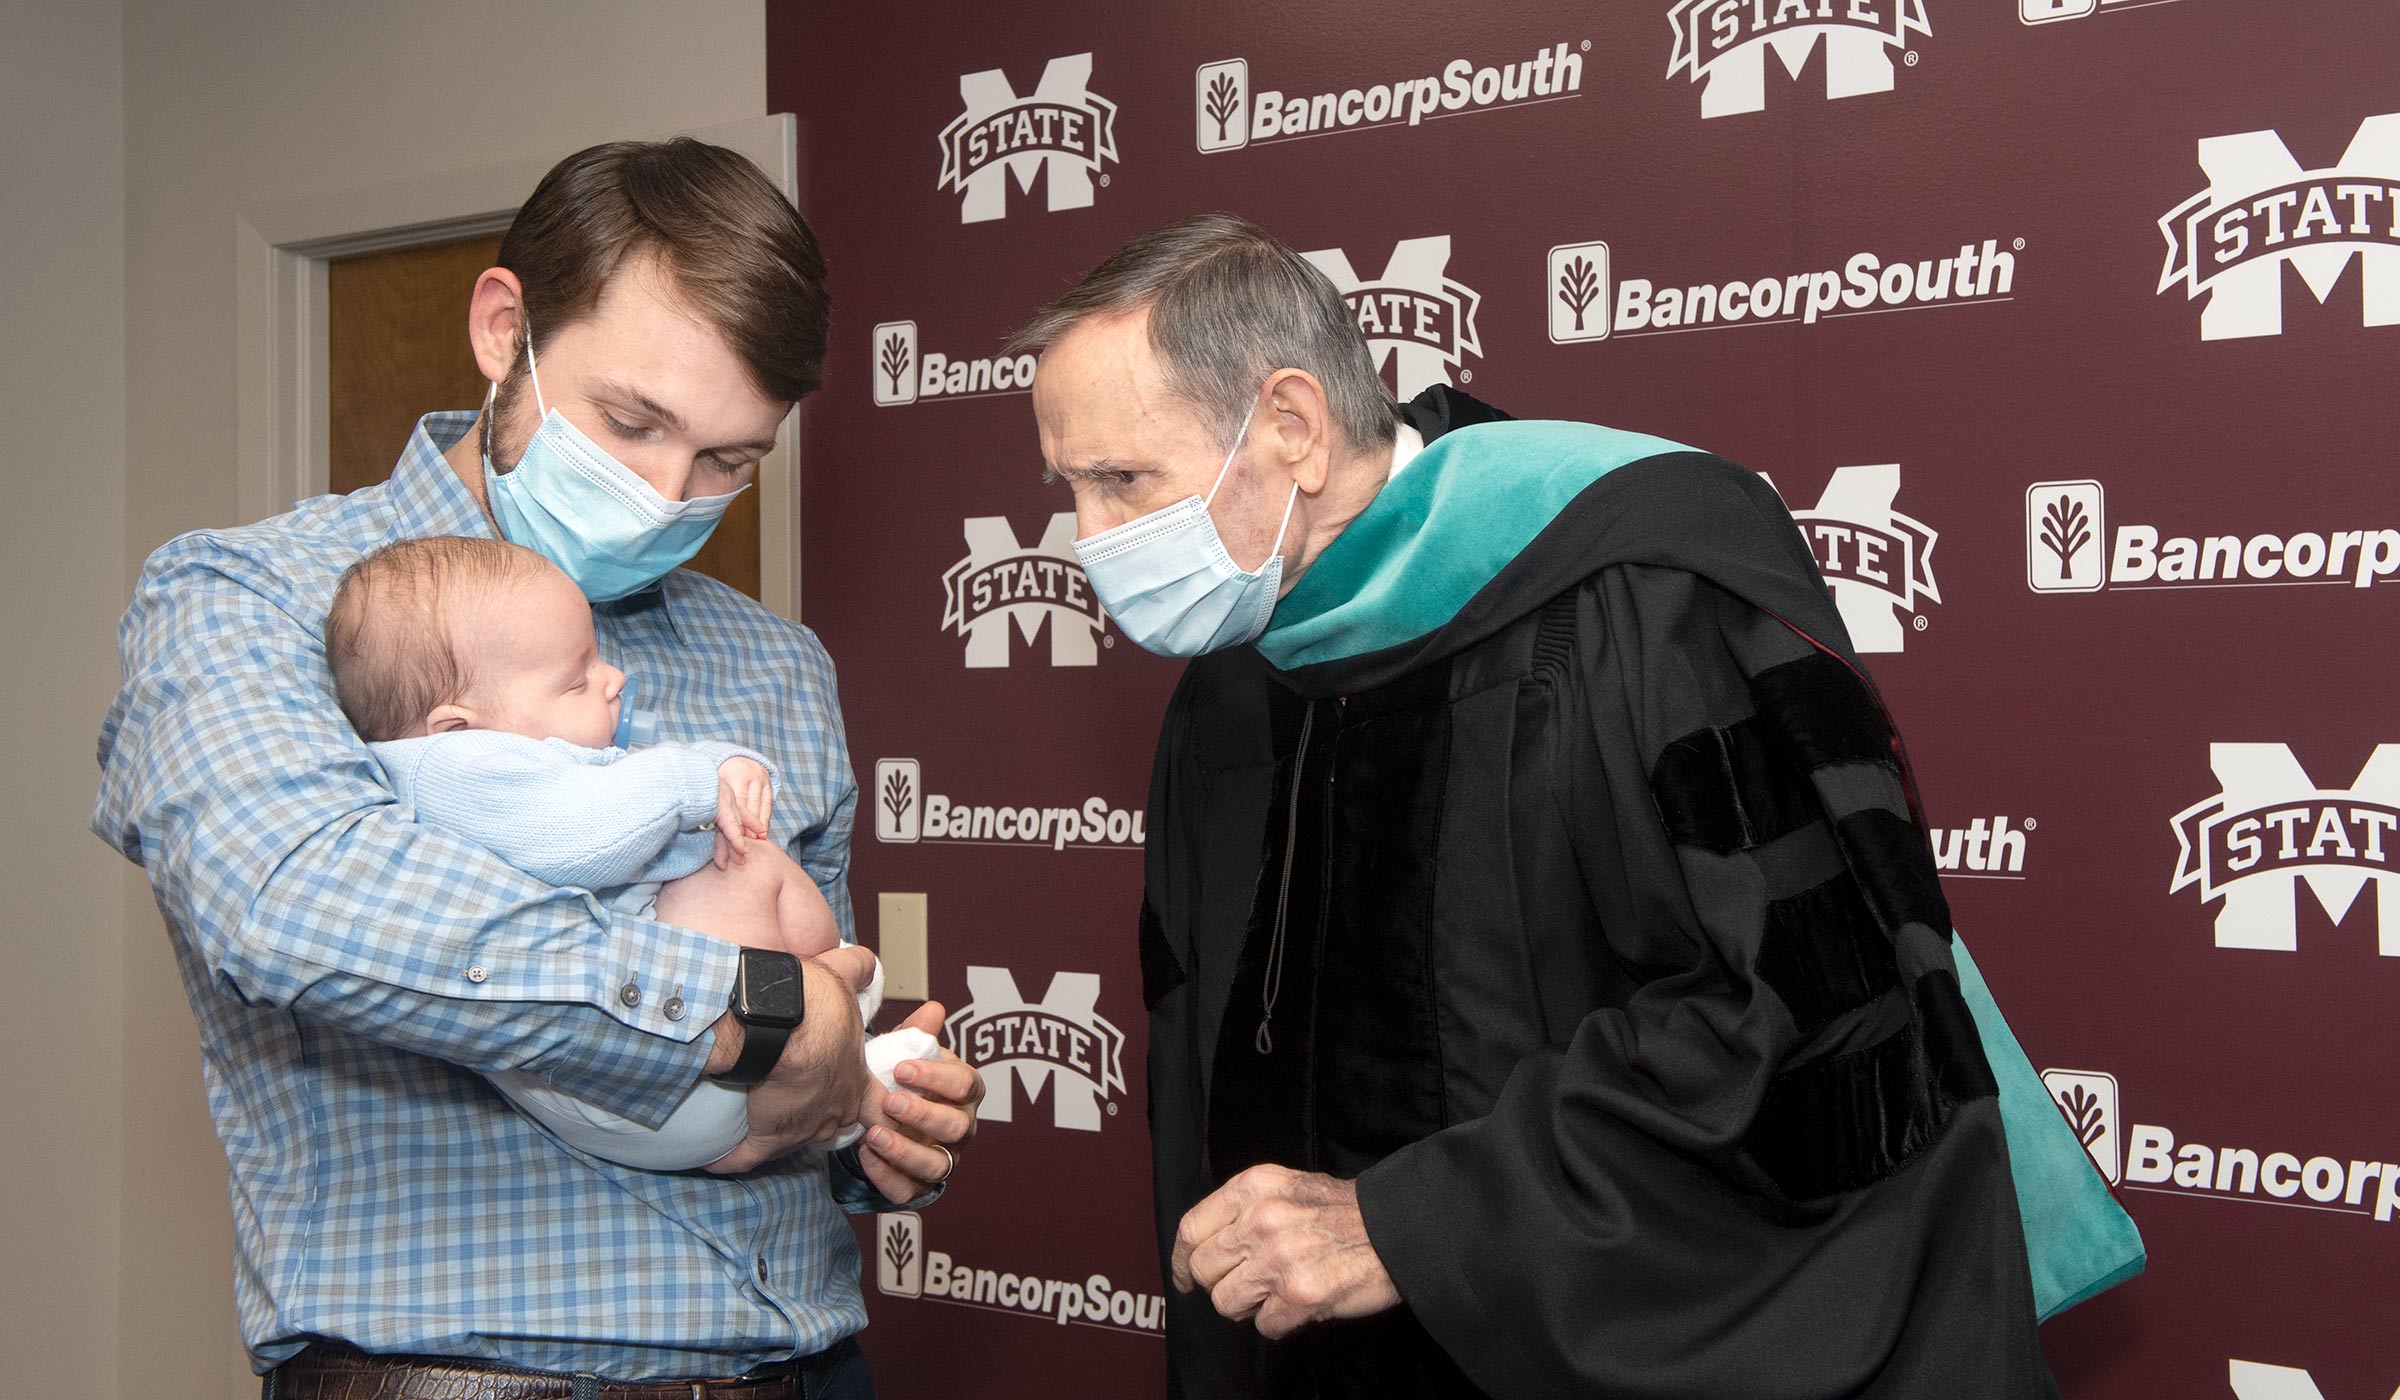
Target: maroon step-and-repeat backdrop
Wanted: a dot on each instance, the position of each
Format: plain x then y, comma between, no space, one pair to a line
2070,329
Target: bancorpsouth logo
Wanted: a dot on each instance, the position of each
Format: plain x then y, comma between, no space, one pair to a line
2069,549
2273,828
1003,585
1416,317
1587,303
1061,1042
1878,562
2261,211
906,1268
1062,131
1227,115
1725,42
906,813
906,374
2147,1157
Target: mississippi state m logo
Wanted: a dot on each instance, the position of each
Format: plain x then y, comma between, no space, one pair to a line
2274,828
1062,1041
2257,1380
1415,318
1878,562
1001,584
2261,210
1064,132
1725,43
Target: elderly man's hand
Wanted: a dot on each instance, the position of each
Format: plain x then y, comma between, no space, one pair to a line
1287,1248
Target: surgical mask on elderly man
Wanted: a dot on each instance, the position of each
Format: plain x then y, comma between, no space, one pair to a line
583,510
1168,582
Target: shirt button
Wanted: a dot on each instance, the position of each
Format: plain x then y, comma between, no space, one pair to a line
630,994
673,1008
477,974
762,1268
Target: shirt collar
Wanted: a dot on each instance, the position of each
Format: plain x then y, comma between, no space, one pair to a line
1406,444
427,498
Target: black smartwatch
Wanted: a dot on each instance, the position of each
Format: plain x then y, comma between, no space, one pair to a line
770,1003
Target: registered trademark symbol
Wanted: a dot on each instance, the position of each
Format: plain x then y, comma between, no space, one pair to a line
1104,178
2020,245
1109,640
1587,46
1112,1110
2030,825
1466,376
1910,60
1920,623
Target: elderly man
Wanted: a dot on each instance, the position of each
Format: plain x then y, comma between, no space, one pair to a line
656,311
1550,990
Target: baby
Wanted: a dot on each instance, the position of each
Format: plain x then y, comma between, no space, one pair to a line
471,669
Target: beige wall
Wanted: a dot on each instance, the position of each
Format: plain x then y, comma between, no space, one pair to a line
158,122
62,506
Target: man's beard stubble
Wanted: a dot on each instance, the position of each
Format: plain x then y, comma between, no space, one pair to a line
505,450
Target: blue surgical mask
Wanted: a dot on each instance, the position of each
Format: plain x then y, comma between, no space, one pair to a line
1169,584
583,510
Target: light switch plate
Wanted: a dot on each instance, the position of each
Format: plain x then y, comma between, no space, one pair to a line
900,944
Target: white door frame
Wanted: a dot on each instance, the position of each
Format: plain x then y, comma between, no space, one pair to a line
281,249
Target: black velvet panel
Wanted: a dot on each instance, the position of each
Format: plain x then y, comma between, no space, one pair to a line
1727,789
1951,1042
1895,869
1845,1121
1161,972
1824,953
1823,711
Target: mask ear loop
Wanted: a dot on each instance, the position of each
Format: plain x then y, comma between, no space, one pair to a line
1230,453
534,370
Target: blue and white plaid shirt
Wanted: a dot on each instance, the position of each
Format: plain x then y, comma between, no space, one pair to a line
351,968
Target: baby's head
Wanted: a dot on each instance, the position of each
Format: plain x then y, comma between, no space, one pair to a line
452,632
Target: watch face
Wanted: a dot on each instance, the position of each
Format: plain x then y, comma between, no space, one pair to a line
770,987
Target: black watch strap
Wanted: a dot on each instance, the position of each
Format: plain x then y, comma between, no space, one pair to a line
770,1002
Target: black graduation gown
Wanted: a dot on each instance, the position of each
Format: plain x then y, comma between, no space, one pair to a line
1615,970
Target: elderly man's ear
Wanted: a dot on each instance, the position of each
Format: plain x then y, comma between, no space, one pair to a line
1300,431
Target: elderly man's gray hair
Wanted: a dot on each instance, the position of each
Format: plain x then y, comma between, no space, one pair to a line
1229,305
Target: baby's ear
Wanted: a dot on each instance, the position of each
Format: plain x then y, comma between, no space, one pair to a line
448,718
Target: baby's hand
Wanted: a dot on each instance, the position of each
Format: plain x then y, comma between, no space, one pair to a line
745,802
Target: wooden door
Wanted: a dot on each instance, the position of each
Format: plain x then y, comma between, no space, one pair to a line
396,344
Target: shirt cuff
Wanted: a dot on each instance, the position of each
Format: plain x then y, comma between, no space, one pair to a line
858,1196
660,989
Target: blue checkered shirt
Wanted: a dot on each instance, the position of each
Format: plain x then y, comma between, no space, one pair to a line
352,970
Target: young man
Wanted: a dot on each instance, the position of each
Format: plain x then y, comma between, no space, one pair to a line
355,973
1550,993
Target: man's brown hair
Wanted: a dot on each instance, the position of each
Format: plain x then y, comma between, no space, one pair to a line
732,244
388,638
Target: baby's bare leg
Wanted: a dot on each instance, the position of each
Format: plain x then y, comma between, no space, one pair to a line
740,904
808,923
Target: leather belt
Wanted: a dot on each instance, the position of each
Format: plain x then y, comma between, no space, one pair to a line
328,1371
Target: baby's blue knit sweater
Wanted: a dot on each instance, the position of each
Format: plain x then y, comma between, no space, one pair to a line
593,819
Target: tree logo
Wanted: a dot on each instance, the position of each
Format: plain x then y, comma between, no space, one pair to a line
1063,132
1415,317
1578,292
896,363
899,799
1725,43
1221,105
2088,1099
2261,211
900,1253
2273,828
2066,526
